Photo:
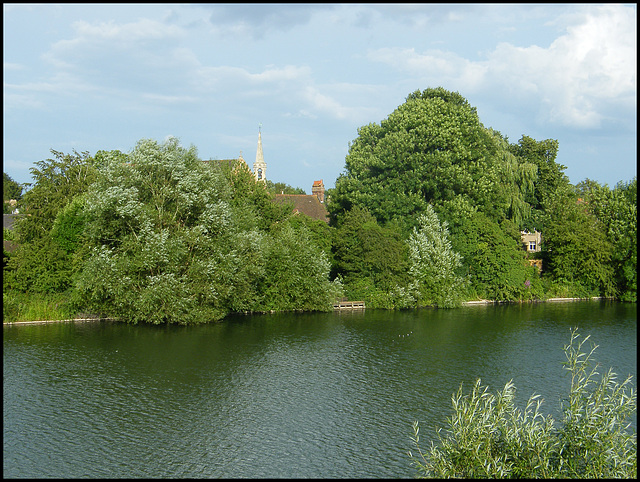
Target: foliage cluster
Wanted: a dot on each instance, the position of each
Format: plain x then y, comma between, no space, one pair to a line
433,152
428,212
11,190
282,188
159,236
487,436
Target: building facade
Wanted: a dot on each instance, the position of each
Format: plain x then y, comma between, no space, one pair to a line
531,241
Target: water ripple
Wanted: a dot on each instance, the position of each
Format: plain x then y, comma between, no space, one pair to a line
316,396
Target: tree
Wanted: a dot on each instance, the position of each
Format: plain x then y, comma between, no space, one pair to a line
296,272
434,263
57,181
489,437
39,263
576,250
517,178
282,188
11,190
172,239
494,260
549,178
429,150
160,232
617,211
371,259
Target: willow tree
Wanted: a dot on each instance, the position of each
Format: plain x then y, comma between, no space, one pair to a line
164,243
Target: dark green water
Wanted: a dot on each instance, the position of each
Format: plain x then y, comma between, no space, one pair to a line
298,395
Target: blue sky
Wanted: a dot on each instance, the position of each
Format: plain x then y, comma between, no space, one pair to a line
102,76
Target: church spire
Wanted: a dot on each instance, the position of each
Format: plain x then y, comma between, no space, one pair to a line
260,167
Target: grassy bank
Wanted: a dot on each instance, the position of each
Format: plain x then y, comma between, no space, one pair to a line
17,306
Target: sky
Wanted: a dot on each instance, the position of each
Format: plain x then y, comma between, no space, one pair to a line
91,77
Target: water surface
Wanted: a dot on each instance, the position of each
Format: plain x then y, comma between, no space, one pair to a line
294,395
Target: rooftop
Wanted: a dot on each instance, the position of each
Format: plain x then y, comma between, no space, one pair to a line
305,204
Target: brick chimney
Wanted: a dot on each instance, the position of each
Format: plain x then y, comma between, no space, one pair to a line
318,190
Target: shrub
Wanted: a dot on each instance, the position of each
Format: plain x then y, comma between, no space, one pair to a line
488,436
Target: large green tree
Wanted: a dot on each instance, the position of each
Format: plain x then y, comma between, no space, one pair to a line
430,149
164,240
576,250
371,259
493,257
549,176
296,275
617,210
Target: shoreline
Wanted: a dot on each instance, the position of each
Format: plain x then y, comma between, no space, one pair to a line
548,300
43,322
465,303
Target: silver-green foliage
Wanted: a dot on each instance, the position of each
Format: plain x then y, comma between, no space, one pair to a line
487,436
170,240
164,243
433,263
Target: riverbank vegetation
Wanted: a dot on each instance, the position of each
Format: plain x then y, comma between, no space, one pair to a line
487,436
428,212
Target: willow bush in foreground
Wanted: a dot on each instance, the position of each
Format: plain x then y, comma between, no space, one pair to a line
487,436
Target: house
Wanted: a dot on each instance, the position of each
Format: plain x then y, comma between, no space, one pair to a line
531,241
311,205
305,204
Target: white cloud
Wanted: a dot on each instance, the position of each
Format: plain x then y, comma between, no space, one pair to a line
142,30
324,103
580,80
302,113
240,80
286,73
34,95
107,37
583,74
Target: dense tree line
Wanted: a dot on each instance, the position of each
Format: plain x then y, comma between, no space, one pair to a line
159,236
428,211
433,153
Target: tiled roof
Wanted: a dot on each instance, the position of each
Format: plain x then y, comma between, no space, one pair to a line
305,204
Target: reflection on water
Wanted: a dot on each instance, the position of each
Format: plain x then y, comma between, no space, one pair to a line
294,395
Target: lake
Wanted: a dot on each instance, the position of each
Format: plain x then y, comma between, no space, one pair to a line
324,395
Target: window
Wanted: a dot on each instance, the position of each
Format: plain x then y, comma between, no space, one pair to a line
532,245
